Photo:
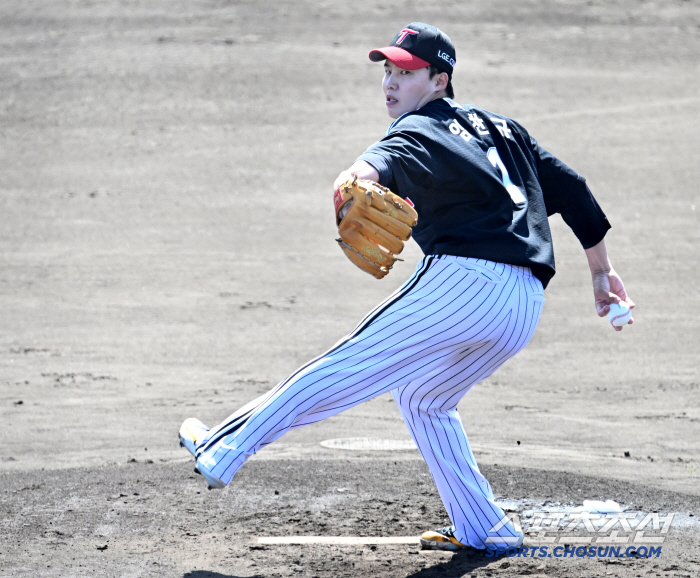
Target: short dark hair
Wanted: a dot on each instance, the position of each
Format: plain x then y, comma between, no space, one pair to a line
433,70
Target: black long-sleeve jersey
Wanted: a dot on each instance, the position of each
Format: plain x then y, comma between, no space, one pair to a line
483,187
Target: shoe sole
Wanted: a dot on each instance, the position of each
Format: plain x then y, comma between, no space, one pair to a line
433,545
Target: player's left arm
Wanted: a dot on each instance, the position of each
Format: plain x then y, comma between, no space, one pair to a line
607,284
361,169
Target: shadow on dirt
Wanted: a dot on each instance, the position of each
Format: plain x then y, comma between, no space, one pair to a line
460,564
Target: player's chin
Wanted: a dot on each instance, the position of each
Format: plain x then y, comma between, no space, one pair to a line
392,109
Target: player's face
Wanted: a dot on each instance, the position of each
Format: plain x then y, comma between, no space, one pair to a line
407,90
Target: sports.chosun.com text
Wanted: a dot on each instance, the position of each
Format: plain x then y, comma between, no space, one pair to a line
576,552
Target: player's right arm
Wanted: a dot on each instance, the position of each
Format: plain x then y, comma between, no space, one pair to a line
361,169
607,284
566,193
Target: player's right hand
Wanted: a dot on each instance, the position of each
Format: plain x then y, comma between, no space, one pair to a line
608,288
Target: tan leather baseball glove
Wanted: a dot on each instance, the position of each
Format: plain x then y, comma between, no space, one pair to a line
373,224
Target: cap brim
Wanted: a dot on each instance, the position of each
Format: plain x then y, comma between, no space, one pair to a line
399,56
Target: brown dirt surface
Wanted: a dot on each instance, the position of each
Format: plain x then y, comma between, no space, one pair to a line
166,251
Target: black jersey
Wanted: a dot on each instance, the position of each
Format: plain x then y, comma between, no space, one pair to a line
483,187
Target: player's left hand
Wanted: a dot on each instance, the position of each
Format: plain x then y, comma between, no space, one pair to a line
608,288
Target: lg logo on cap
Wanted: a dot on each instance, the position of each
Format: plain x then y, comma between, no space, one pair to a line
405,32
446,57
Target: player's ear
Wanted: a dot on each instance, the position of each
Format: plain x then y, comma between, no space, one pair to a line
441,81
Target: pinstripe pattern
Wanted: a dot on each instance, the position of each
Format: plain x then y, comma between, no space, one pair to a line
451,325
236,420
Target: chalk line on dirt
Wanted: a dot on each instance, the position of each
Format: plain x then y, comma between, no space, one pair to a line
347,540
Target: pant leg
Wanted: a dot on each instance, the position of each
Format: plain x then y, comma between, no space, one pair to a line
373,359
428,406
425,323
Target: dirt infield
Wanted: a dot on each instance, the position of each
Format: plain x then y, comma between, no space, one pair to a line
166,250
143,519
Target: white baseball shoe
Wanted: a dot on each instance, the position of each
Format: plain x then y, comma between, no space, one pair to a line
192,432
444,539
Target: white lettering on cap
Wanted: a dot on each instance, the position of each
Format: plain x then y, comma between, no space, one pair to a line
446,57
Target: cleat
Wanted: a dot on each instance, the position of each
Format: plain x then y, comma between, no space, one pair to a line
442,539
192,432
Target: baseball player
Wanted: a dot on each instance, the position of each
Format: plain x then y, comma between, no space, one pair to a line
482,188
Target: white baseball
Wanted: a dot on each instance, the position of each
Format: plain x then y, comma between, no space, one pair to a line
619,314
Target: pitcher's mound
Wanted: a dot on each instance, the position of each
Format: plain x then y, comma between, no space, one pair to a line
368,444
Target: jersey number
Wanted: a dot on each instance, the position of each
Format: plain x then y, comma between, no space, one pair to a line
515,193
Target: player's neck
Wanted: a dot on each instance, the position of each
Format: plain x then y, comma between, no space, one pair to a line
437,96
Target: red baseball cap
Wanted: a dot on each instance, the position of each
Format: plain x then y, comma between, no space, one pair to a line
416,46
400,57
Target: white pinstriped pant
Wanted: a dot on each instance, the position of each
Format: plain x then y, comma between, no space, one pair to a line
451,325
